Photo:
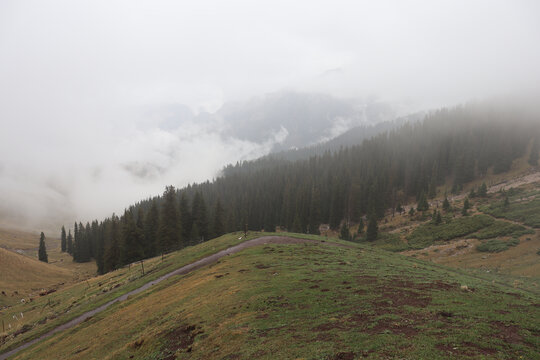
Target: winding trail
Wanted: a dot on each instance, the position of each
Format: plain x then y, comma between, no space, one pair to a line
180,271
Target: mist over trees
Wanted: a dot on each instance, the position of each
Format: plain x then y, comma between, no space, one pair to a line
365,181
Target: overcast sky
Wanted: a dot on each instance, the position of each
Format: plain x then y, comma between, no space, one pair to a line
80,82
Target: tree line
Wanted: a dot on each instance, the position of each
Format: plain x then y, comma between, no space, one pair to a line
411,163
166,223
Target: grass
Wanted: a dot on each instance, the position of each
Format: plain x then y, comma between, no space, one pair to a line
26,243
428,233
21,276
501,228
496,245
45,313
309,301
527,212
390,242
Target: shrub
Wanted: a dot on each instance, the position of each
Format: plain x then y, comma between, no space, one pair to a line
501,228
496,245
426,234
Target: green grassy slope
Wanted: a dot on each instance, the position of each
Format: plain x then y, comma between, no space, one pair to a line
308,301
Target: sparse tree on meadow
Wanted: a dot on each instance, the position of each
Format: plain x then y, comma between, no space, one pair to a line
42,252
63,241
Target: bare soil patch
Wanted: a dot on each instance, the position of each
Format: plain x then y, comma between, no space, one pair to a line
180,338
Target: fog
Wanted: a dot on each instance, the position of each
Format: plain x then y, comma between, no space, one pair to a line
103,103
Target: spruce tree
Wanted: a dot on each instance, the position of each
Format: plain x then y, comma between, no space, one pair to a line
466,207
69,246
372,229
506,204
151,227
86,244
200,218
422,203
132,239
42,252
361,225
169,229
219,225
446,204
438,218
466,204
186,218
112,244
76,242
63,237
315,211
100,248
482,190
344,233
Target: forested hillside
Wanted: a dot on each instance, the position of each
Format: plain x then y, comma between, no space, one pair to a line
451,146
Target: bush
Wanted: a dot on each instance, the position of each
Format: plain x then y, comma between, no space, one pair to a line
496,245
525,212
426,234
501,228
391,242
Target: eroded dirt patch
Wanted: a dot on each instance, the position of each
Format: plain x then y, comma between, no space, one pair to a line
179,339
506,332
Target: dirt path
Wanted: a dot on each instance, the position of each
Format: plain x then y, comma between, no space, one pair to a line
181,271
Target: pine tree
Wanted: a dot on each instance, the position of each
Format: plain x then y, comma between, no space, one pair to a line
360,226
472,193
151,228
200,218
132,239
344,233
85,255
315,211
446,204
466,204
69,246
372,229
438,218
482,190
185,216
297,225
506,204
422,203
76,242
219,226
42,252
169,229
63,242
112,244
100,248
